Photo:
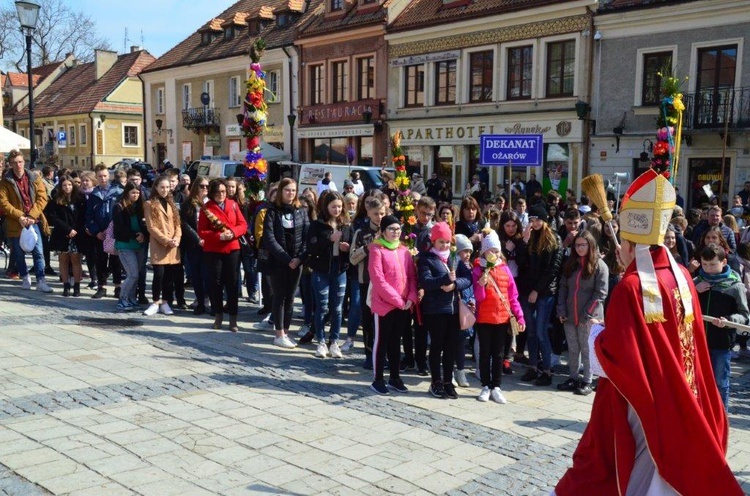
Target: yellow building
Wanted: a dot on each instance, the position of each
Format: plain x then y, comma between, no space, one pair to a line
96,107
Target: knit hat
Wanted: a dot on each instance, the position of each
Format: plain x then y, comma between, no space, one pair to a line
537,210
389,220
463,243
441,230
348,183
490,241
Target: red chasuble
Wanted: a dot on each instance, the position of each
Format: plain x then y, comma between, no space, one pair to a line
663,371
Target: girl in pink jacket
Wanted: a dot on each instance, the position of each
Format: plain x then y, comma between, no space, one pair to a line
394,294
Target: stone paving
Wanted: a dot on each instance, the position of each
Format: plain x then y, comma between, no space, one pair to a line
98,403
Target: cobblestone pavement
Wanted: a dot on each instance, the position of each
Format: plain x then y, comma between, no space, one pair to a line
98,403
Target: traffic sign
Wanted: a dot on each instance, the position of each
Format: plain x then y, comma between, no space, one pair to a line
511,149
61,136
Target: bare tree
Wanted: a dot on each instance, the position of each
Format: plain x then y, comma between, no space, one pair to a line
60,30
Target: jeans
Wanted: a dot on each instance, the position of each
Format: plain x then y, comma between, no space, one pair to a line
248,264
537,317
355,307
721,364
132,261
199,276
308,300
37,254
328,290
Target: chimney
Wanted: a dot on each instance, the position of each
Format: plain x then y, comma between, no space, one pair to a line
135,48
104,60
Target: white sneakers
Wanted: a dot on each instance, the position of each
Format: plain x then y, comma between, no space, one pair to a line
460,377
284,342
165,309
322,350
303,330
41,285
152,309
335,351
495,394
26,283
264,325
348,345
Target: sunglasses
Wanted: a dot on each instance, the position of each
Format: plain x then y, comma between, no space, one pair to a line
203,186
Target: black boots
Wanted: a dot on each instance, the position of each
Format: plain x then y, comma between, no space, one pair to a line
217,320
77,289
233,323
66,289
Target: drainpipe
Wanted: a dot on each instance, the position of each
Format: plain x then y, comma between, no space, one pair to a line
145,135
93,139
291,104
587,137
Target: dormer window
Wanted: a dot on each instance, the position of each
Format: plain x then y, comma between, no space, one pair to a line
205,37
336,5
229,33
210,31
282,19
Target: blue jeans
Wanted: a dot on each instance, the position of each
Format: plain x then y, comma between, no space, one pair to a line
328,290
132,261
537,317
308,300
37,254
355,308
721,363
248,264
200,277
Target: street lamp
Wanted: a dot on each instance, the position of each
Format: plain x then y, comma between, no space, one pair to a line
28,13
291,119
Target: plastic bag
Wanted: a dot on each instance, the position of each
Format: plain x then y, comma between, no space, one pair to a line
28,238
109,240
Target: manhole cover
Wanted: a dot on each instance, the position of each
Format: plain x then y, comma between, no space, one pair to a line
109,323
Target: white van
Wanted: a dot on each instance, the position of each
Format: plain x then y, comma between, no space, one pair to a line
214,168
308,175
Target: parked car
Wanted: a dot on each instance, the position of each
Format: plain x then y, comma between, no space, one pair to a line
214,168
147,171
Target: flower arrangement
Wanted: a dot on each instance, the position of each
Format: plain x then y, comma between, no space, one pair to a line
404,203
666,150
255,111
216,223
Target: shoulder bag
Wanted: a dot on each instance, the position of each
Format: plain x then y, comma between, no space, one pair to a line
515,328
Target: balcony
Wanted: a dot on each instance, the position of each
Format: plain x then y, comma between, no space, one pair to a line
717,108
201,119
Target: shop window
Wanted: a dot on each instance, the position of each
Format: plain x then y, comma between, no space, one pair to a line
414,85
365,149
443,162
330,151
561,63
705,174
316,84
340,81
520,65
556,164
480,74
445,82
365,78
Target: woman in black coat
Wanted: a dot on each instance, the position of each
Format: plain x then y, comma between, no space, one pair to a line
67,214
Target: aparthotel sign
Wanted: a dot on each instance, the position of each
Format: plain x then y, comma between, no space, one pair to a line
469,133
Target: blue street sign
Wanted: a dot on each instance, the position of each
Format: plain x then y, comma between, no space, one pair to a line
61,136
511,149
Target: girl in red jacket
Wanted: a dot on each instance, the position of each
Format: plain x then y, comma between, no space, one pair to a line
495,291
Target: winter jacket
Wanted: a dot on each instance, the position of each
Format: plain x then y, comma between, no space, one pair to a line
231,217
123,228
189,214
729,300
422,241
11,203
163,226
543,272
320,248
359,250
100,206
490,309
393,277
273,235
432,273
582,299
516,259
64,219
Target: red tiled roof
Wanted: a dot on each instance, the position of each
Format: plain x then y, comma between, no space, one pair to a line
190,51
421,13
237,19
323,23
212,25
264,12
21,80
78,91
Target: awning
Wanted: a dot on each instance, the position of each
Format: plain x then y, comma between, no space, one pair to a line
270,153
12,141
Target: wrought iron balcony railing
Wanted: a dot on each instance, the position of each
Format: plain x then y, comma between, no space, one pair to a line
201,119
716,108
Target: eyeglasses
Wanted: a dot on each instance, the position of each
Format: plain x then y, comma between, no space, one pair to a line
582,245
393,229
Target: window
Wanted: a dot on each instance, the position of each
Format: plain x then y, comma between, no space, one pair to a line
653,64
83,135
208,87
365,78
445,82
414,85
480,73
560,68
229,33
186,96
273,84
340,81
717,72
336,5
129,135
235,97
317,82
72,136
160,101
205,37
519,72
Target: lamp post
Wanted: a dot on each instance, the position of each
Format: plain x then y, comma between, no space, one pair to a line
28,13
291,119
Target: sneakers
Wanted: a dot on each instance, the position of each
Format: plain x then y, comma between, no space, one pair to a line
531,375
555,360
398,385
100,293
437,389
142,300
42,286
322,350
497,396
379,387
544,379
348,345
484,394
406,367
165,309
569,385
460,376
422,372
507,369
307,338
264,325
450,391
335,351
152,309
12,275
26,283
583,389
124,306
284,342
367,364
117,292
303,330
181,305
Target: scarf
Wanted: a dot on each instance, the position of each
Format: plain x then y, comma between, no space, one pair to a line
722,280
442,255
391,245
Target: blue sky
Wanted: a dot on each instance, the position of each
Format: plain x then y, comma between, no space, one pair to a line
164,22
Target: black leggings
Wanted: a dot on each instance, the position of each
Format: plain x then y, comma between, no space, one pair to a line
415,345
443,329
368,320
284,283
162,287
491,343
222,276
388,329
